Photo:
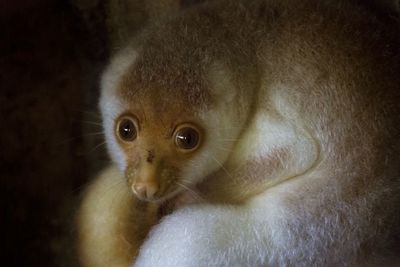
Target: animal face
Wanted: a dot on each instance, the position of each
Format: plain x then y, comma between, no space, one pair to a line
165,138
157,148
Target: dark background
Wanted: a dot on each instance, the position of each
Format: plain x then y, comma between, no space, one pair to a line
51,53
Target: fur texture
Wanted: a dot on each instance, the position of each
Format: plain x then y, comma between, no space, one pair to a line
298,105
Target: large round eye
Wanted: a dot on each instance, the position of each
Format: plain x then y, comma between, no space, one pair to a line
126,129
187,138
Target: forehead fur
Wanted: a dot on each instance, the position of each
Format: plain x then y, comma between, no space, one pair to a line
169,66
175,58
164,83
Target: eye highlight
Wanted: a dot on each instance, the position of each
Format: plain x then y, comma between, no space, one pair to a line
127,129
187,137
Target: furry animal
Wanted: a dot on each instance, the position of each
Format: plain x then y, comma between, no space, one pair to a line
252,133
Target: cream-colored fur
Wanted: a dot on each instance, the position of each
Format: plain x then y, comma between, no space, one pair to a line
108,228
298,102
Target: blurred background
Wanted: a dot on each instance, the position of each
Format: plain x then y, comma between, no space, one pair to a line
51,53
51,56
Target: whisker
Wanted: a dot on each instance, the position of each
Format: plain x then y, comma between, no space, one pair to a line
97,146
91,134
84,186
93,123
224,149
196,195
226,128
228,139
222,166
92,113
79,137
81,187
63,142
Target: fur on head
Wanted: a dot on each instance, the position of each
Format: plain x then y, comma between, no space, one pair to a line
168,105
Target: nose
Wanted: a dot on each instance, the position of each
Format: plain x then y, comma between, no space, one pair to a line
145,190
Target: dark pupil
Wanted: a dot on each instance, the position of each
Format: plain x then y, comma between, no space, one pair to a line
127,130
187,138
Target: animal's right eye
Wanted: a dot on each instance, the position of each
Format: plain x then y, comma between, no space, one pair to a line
127,129
187,137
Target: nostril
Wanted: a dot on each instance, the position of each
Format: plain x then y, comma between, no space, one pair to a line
145,190
140,190
151,191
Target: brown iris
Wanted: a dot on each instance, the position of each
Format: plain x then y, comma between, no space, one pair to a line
127,129
187,138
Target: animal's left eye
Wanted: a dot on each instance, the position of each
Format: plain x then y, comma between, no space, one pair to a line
187,138
127,129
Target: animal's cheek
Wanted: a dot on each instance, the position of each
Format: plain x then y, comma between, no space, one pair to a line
131,171
168,177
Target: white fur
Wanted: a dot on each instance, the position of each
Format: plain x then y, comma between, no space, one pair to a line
266,134
270,230
222,129
111,105
263,233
